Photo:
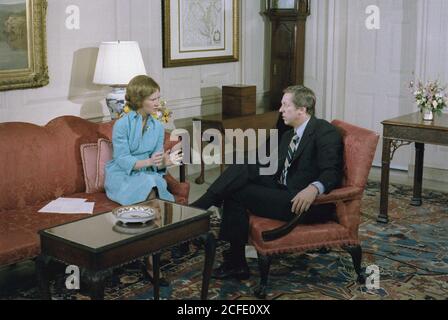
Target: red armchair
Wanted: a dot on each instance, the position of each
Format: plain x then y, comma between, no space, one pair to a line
359,150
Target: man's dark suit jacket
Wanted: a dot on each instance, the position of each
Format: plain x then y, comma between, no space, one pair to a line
319,157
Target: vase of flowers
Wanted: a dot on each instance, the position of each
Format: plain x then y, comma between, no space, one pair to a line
163,114
431,98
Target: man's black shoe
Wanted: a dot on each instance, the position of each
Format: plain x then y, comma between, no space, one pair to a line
225,271
208,200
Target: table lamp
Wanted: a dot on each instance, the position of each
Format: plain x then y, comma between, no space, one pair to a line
118,62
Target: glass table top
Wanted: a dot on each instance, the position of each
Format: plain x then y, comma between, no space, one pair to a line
103,230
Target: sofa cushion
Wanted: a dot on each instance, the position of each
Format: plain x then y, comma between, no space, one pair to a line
105,154
89,155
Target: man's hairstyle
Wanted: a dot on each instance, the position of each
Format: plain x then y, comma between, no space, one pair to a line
139,89
303,97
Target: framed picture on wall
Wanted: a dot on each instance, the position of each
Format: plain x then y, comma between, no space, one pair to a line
200,32
23,57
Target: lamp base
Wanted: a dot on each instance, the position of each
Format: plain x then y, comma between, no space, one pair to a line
116,101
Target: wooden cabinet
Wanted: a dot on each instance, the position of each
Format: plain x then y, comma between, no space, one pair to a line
239,100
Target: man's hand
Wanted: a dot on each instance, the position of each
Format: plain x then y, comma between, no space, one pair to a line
304,199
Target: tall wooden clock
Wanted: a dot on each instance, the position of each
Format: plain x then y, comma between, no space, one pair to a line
288,22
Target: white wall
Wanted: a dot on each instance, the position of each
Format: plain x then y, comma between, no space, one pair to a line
72,54
431,64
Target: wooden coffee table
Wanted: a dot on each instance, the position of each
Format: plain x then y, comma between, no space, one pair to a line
98,244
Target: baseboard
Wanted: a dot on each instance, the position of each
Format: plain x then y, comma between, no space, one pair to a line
434,174
377,164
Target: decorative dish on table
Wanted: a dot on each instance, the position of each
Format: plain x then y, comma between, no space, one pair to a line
137,214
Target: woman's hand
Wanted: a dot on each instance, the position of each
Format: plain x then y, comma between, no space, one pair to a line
173,158
156,159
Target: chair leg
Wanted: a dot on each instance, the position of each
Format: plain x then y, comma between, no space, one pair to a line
356,253
264,264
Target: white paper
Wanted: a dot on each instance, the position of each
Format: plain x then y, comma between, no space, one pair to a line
251,253
69,200
69,206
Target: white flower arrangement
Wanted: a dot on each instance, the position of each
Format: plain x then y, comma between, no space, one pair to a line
430,97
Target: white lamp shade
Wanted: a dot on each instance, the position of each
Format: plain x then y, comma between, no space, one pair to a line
118,62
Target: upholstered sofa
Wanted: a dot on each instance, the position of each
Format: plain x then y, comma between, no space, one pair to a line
39,164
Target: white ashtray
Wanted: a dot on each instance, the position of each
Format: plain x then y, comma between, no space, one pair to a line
134,214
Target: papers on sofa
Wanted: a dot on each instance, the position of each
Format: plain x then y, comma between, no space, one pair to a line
69,206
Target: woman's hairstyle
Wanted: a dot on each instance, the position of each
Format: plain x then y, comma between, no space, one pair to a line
138,90
303,97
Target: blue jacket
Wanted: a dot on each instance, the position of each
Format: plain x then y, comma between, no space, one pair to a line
123,184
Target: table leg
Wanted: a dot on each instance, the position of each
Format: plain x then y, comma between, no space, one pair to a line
200,180
43,278
182,173
210,251
418,174
156,275
223,150
385,168
96,283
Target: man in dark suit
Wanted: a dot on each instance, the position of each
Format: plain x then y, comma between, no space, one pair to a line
310,163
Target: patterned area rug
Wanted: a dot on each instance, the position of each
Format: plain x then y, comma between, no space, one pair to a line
411,253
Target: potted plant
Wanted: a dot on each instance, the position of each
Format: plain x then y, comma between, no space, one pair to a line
430,98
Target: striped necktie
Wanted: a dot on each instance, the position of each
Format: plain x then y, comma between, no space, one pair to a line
291,150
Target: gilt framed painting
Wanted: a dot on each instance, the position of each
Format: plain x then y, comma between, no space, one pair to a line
23,56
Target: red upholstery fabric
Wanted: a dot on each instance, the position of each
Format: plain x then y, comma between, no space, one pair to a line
39,164
19,239
304,237
359,150
89,158
104,155
168,143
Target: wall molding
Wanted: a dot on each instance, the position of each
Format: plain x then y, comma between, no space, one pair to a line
430,173
336,59
422,39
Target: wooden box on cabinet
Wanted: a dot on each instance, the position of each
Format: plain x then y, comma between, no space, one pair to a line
239,100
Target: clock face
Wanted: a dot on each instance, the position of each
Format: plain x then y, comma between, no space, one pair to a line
283,4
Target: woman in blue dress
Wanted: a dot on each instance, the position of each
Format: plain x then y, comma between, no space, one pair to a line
139,164
136,172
